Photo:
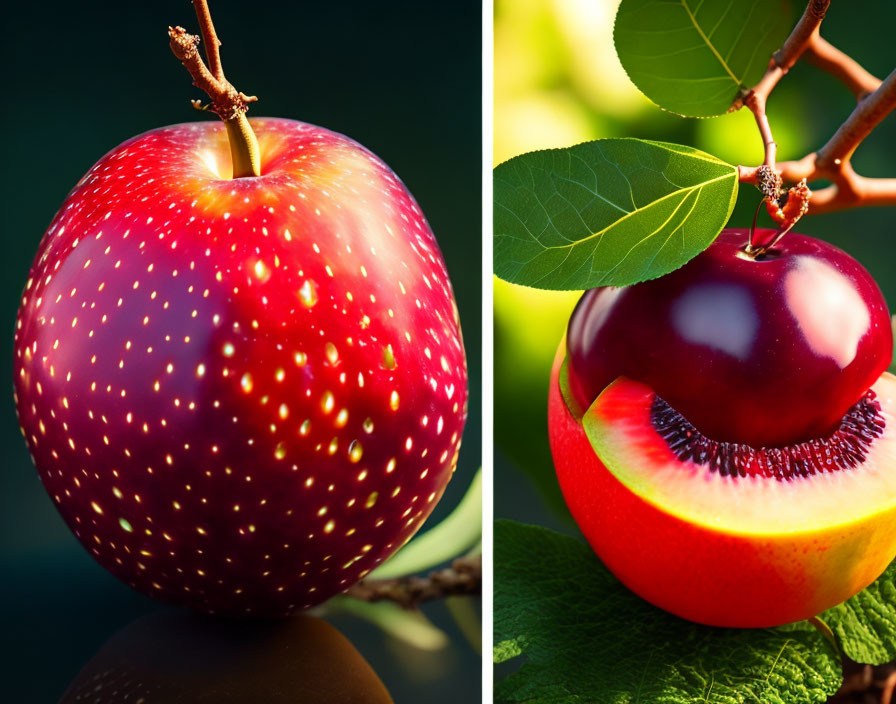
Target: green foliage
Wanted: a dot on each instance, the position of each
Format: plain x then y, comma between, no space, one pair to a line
865,625
587,639
695,57
608,212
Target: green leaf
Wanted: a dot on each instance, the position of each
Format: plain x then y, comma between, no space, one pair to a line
607,213
410,626
587,639
694,57
459,532
865,625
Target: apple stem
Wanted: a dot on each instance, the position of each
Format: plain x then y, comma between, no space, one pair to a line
227,102
244,153
749,248
212,43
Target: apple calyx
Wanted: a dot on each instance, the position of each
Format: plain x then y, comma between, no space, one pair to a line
227,103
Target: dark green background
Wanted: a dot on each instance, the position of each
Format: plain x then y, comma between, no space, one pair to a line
402,78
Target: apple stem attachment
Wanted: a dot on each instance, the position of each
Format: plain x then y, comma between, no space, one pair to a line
755,250
226,101
749,248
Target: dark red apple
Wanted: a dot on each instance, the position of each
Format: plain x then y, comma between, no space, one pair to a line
242,394
766,351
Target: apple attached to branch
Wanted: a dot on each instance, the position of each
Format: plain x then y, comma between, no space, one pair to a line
238,361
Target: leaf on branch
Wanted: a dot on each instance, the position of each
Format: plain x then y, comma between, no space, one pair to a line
586,638
696,57
611,212
865,625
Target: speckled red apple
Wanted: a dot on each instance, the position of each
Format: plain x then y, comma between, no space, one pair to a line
242,394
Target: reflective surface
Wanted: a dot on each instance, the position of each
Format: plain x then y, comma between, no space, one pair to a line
765,352
175,656
62,608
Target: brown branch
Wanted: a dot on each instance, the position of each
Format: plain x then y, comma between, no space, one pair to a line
867,115
756,103
888,687
856,192
802,35
227,102
781,63
185,47
832,162
847,190
830,59
212,43
464,577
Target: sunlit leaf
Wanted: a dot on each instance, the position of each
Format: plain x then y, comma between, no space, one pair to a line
694,57
608,212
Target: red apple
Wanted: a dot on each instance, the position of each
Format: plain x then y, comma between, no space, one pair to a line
242,394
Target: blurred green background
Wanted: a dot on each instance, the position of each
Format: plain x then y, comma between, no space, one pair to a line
558,82
402,78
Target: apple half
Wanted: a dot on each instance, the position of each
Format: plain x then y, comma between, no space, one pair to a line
722,549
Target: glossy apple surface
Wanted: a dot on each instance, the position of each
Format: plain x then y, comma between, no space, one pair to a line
241,394
767,351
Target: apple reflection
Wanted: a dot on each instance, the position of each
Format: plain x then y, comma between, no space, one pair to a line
175,656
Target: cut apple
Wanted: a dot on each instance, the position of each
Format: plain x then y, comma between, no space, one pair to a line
725,548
